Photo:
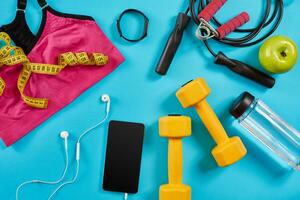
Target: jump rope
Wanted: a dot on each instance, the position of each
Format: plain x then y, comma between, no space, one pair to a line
269,18
202,13
64,135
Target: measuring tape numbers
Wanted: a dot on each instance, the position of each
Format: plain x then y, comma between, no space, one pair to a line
11,55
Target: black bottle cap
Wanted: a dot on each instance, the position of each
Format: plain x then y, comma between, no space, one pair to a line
241,104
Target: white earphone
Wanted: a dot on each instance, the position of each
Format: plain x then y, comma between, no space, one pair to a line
64,135
106,99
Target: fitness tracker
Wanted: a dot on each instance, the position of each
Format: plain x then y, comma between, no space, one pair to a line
146,22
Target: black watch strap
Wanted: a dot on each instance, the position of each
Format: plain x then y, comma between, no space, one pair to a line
146,23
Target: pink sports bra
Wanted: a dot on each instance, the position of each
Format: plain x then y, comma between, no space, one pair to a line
59,33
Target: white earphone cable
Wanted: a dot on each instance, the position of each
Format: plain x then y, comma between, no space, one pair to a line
67,182
78,153
45,182
92,128
126,196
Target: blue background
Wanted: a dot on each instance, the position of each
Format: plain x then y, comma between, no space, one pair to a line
138,94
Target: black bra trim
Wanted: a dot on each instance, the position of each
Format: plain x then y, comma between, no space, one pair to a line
22,4
74,16
28,40
56,13
40,31
19,31
42,3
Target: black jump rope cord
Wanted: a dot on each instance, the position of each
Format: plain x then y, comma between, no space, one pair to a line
251,33
271,19
249,37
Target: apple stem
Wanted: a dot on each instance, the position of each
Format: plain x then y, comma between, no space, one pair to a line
283,53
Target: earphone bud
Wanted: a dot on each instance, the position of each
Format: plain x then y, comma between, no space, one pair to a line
106,99
64,135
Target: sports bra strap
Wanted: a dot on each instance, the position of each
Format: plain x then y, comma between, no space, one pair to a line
42,3
22,4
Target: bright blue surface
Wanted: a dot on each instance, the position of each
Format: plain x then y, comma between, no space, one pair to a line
138,94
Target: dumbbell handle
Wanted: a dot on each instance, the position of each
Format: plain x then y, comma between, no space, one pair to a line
175,161
211,122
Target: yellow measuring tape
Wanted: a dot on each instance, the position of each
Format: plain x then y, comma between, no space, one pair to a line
12,55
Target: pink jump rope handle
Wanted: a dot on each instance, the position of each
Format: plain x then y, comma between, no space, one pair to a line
233,24
210,10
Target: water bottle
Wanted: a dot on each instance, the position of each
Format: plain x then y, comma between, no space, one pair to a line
267,127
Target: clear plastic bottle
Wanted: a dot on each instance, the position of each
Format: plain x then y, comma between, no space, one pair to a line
255,116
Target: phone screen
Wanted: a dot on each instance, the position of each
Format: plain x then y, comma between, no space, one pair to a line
123,156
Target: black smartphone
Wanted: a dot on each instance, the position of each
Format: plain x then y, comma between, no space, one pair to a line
123,156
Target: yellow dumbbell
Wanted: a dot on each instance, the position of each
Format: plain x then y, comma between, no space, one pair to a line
175,127
228,150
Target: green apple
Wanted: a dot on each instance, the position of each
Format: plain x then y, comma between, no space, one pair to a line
278,54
